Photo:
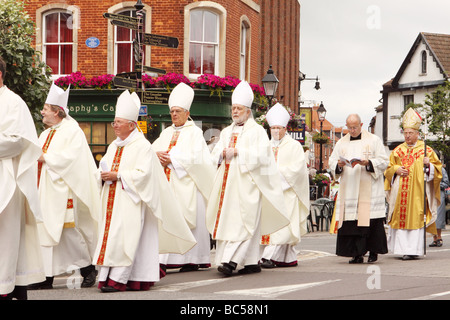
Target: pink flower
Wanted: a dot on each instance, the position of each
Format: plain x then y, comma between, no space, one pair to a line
172,79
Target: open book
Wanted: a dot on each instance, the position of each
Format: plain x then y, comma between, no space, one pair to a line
351,163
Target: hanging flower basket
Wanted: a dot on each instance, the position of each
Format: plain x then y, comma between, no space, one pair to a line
321,138
321,179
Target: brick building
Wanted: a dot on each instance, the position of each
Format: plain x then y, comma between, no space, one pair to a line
238,38
241,38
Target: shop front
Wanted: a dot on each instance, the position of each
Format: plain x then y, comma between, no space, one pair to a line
95,109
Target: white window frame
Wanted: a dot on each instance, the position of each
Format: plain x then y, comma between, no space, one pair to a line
218,9
245,48
116,42
60,44
206,43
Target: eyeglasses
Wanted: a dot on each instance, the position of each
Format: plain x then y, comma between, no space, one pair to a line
176,111
119,123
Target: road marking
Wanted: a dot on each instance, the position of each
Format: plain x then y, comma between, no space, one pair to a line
312,254
273,292
188,285
432,296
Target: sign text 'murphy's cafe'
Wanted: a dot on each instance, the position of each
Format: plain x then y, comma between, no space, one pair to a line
92,109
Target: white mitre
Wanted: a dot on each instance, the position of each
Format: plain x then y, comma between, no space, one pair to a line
128,106
181,96
278,116
58,97
243,94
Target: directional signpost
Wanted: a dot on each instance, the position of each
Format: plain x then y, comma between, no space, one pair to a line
160,41
133,80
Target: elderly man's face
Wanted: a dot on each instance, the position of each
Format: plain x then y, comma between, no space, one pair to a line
239,113
123,127
277,132
411,136
179,116
49,115
354,126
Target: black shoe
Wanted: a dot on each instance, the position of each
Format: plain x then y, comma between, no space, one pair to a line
409,257
268,264
189,267
372,257
109,289
357,259
47,284
89,280
254,268
226,269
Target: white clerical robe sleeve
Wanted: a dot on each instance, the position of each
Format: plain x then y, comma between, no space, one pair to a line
175,153
131,193
430,177
380,161
284,184
10,146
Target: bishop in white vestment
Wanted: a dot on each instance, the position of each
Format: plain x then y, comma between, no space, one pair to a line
279,247
69,194
247,178
21,261
182,151
360,205
141,216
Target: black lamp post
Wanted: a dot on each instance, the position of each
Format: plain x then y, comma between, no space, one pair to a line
270,83
321,112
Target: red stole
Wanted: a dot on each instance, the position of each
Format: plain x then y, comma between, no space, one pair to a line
172,144
110,204
232,144
50,136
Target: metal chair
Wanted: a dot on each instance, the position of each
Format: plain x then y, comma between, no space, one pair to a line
323,209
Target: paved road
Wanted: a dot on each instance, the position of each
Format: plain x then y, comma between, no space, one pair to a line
320,275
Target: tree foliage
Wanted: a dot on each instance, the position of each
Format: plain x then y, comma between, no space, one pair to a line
437,113
26,74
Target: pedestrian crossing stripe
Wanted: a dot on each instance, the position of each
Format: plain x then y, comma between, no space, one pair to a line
274,292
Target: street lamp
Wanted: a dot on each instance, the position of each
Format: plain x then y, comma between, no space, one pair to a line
321,113
303,77
270,83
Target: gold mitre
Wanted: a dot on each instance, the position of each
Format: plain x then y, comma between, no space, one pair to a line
411,119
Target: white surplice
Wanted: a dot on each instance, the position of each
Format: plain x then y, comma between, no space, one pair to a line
68,233
351,189
145,217
251,178
293,172
21,262
191,178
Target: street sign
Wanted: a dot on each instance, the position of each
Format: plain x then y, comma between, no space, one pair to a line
125,83
143,126
121,17
157,40
127,75
143,111
124,24
155,70
149,97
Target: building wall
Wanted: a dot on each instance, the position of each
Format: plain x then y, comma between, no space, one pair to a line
413,74
280,46
274,25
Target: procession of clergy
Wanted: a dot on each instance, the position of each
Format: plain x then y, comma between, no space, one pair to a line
152,207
